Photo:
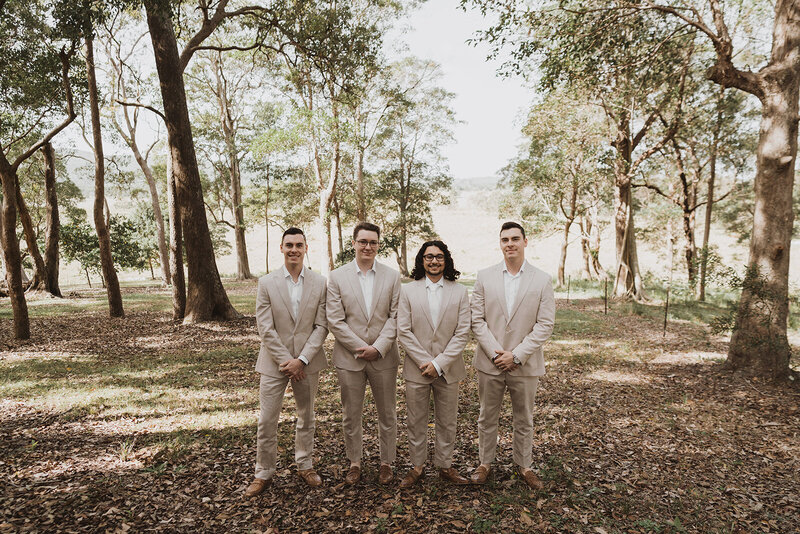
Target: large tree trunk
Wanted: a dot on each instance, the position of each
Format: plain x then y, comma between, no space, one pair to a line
176,249
106,261
759,340
53,228
628,282
206,298
11,254
37,279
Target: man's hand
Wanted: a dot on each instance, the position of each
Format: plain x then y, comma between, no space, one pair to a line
505,360
294,369
429,370
368,353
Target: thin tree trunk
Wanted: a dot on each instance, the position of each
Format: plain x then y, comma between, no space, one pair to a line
163,254
106,261
53,228
11,254
338,223
37,279
176,248
206,298
701,294
586,266
562,260
266,225
361,204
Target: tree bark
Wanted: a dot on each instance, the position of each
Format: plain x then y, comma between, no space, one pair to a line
11,254
701,291
206,298
53,228
562,260
361,204
586,266
106,260
37,279
176,249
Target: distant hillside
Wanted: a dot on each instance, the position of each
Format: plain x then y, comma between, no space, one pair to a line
475,184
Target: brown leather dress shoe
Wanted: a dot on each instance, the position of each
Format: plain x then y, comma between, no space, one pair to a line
480,475
453,476
353,475
257,486
385,474
411,478
531,479
310,477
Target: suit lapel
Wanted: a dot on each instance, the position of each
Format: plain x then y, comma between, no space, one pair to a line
377,288
280,281
524,282
352,275
421,298
499,280
447,293
309,288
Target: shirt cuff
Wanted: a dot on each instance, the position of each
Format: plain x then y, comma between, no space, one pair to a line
438,369
303,359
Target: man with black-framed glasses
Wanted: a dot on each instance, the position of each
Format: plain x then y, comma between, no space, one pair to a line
433,323
362,315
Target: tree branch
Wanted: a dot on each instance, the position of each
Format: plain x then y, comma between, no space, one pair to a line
138,105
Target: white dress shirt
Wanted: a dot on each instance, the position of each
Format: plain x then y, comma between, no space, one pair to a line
434,290
295,294
367,282
511,286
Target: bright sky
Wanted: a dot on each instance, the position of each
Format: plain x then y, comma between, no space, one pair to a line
488,105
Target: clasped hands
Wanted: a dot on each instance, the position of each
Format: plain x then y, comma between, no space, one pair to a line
294,369
368,353
505,360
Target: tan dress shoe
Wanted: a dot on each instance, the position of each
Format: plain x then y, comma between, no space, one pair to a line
411,478
453,476
480,475
310,477
353,475
385,474
531,479
257,486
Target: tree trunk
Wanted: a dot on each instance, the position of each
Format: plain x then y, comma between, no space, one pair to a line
701,291
628,282
361,204
759,340
37,279
266,226
206,298
53,229
176,248
563,258
11,254
106,261
586,266
338,223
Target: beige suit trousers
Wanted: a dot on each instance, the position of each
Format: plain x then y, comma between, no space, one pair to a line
445,411
271,393
383,384
522,390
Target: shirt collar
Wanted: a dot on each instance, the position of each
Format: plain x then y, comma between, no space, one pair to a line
521,269
358,269
429,284
286,274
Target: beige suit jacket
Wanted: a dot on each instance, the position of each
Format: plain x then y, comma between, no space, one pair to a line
525,331
284,336
347,317
424,342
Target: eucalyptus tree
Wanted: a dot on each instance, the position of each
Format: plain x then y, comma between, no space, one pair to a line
564,172
35,96
633,66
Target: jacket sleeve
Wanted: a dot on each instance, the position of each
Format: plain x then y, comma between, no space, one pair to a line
542,329
484,336
414,348
452,352
337,323
388,334
320,332
266,327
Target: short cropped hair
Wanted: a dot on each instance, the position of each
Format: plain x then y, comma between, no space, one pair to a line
369,227
293,230
508,225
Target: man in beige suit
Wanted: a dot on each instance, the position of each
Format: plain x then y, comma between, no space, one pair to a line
433,323
513,312
362,315
290,314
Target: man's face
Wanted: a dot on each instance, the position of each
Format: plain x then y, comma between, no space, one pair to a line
366,245
513,244
433,261
294,249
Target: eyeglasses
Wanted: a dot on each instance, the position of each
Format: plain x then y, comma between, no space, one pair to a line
431,257
363,243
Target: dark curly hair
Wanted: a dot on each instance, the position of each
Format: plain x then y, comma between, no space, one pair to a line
450,272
